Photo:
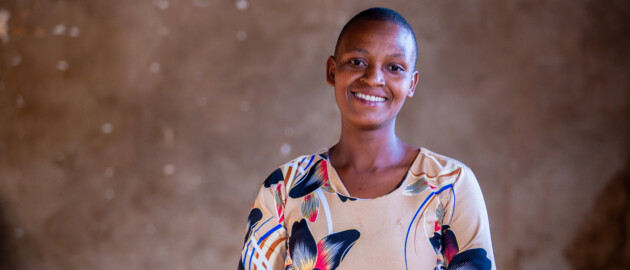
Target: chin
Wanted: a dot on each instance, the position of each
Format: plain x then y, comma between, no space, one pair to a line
369,124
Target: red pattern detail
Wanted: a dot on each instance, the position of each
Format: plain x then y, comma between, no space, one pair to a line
279,206
322,253
313,215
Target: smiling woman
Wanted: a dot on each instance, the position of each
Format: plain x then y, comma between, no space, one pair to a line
371,201
373,73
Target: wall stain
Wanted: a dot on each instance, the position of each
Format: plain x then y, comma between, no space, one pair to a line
603,239
8,256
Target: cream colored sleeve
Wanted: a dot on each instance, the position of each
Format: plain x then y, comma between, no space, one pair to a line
264,239
468,222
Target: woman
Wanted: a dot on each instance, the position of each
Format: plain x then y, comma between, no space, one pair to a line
371,201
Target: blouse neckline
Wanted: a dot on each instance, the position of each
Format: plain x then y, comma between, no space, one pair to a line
338,186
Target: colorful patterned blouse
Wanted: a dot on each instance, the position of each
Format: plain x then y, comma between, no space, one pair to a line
304,218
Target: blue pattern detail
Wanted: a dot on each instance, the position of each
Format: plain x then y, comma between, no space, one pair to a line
269,233
452,212
248,242
416,215
305,168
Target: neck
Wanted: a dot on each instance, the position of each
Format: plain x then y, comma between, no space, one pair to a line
368,149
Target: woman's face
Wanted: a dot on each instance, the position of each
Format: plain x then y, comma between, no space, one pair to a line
373,73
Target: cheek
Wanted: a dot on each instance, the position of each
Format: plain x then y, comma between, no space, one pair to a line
400,87
349,74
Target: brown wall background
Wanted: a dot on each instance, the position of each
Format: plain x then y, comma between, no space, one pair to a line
134,134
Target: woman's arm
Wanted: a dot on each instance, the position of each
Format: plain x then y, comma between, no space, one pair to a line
265,235
466,230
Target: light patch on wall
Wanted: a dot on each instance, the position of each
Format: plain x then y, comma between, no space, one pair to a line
241,35
242,4
110,194
285,149
74,31
16,60
109,172
62,65
18,232
19,102
107,128
59,29
4,25
168,169
155,67
169,136
161,4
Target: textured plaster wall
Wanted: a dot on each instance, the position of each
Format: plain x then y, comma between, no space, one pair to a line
134,134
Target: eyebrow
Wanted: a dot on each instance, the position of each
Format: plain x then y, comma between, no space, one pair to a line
361,50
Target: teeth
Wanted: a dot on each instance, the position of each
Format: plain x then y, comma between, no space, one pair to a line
369,98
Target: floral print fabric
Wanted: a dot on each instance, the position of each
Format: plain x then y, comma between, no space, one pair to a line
303,218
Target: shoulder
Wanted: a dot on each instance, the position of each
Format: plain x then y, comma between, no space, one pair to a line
440,161
439,170
293,168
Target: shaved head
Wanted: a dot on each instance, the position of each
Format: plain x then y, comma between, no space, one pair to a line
384,15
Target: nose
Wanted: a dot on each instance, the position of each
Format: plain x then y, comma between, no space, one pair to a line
373,76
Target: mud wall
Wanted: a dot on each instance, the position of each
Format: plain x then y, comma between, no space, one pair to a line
134,134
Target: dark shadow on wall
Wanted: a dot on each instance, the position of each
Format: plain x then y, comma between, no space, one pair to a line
609,31
603,240
8,252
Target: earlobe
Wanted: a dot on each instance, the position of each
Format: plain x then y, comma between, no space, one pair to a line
414,82
330,71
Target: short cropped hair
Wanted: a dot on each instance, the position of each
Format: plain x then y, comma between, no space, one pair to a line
380,14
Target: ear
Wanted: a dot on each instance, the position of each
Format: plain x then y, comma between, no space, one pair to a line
330,70
414,82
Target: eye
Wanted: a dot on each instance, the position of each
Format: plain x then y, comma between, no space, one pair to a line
396,68
356,62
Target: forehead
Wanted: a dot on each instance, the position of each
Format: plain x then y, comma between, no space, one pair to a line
375,36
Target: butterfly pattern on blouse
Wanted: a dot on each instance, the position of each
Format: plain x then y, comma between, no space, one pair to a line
307,184
327,254
275,181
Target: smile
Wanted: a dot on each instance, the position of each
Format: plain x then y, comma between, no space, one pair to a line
368,97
